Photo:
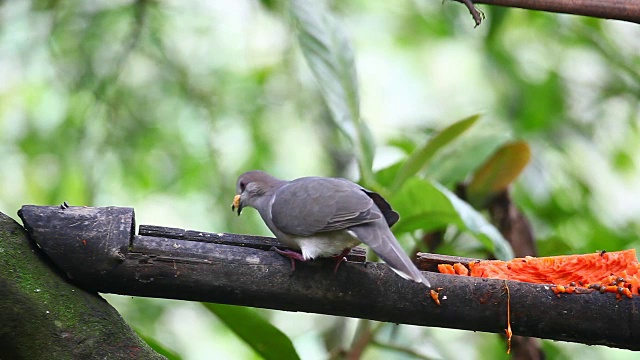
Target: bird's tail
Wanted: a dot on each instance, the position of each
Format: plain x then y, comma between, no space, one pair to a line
378,236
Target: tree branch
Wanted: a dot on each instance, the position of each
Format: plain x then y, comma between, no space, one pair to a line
515,227
627,10
96,250
43,316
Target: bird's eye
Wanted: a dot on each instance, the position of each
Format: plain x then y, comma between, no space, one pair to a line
242,186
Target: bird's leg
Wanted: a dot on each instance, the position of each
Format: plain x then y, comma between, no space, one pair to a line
292,255
340,258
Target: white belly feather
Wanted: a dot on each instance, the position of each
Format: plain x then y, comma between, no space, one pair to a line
325,244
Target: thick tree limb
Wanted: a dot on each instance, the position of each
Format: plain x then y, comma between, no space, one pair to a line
207,267
627,10
515,227
43,316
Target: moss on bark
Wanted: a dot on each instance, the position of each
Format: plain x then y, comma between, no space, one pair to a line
44,316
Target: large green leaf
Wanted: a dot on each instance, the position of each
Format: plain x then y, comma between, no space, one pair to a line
430,206
386,176
257,332
421,206
454,163
421,156
330,57
474,222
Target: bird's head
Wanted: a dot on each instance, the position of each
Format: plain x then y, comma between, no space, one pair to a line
254,187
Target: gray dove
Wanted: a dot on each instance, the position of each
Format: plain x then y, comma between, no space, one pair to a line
324,217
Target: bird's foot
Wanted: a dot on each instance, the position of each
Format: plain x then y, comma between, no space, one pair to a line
339,259
291,254
294,255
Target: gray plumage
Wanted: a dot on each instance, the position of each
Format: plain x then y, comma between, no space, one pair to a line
324,216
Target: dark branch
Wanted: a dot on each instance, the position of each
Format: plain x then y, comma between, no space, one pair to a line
475,13
92,248
43,316
627,10
515,227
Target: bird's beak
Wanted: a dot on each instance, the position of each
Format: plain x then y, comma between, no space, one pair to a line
237,203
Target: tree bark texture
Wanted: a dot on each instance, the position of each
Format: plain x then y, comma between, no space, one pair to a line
626,10
240,270
44,316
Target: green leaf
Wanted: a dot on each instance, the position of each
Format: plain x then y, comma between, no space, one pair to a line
421,156
499,171
453,164
330,57
386,176
403,143
474,222
257,332
158,347
430,206
421,206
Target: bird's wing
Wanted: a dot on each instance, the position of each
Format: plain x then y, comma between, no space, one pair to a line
311,205
390,215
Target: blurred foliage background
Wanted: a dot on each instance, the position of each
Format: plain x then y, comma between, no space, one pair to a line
160,105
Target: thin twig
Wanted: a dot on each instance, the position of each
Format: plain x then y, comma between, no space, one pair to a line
508,329
475,13
627,10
